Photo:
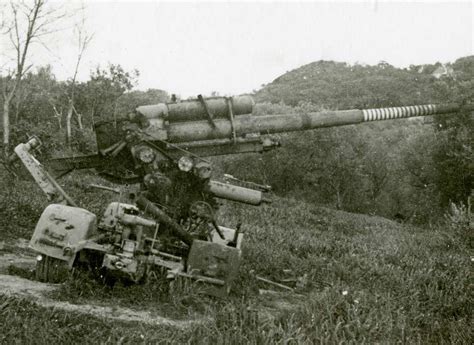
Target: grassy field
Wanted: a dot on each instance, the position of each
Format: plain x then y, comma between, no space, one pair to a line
361,280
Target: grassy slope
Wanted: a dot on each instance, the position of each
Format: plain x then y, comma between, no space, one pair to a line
369,279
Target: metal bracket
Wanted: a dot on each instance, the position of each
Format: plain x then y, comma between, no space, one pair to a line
208,113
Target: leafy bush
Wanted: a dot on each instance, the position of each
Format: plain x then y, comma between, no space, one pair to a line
459,219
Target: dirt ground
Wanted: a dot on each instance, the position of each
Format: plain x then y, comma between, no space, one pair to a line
18,255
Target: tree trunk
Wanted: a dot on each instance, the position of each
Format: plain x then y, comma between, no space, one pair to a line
17,110
115,114
92,118
79,121
78,118
68,123
58,115
6,126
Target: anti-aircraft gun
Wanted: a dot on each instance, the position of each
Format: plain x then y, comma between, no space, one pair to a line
171,220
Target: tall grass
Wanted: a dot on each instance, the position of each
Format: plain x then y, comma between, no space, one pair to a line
368,280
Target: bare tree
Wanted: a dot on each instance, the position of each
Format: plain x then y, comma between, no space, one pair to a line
58,115
83,40
27,23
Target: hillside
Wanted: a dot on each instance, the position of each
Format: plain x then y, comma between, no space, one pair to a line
362,279
338,85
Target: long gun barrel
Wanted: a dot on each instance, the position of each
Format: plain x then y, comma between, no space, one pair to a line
244,124
212,127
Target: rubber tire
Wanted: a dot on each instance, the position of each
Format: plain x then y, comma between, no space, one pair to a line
51,270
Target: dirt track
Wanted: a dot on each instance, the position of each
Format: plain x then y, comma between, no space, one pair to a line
14,286
18,255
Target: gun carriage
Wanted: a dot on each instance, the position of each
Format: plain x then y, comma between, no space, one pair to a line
170,222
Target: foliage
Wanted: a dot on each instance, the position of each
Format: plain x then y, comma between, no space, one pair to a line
338,85
460,220
103,90
40,106
454,153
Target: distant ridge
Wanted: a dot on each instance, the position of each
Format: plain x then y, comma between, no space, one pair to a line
338,85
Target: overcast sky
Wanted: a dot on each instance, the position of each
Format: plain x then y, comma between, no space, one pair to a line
232,48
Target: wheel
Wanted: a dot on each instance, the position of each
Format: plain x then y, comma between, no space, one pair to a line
51,270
